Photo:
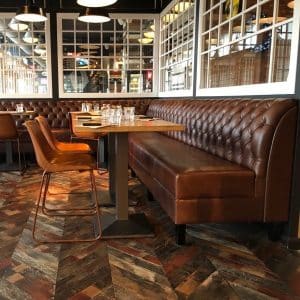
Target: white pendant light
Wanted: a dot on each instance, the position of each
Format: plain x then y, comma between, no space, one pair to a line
30,38
169,18
40,50
17,25
96,3
149,34
94,15
30,13
145,40
182,6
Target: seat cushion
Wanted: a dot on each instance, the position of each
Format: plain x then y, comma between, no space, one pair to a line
188,172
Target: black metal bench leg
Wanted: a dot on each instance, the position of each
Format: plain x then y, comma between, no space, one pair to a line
275,230
132,173
150,196
180,233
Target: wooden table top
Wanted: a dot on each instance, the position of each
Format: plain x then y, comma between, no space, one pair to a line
138,125
14,112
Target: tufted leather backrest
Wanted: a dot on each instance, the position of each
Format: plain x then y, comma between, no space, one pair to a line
57,112
43,152
257,134
238,130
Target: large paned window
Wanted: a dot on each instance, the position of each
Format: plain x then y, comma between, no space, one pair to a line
245,42
24,63
114,58
177,27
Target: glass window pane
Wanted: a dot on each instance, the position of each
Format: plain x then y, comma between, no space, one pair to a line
282,52
81,38
67,24
94,38
94,27
108,26
23,60
81,25
178,24
215,16
109,58
68,37
248,60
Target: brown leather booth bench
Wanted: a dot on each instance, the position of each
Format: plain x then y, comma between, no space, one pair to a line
233,162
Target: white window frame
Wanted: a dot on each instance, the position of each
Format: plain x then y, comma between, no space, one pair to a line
48,60
281,88
154,92
185,92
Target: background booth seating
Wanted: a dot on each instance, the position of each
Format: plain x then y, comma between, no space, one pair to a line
233,162
57,114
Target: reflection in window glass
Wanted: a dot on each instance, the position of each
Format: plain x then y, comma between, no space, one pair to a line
251,45
282,52
113,57
23,59
177,35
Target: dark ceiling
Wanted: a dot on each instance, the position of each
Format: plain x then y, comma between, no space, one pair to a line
134,6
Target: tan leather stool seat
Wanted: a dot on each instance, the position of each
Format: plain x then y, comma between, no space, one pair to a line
57,145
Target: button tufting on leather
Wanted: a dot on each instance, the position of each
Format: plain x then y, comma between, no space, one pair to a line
211,124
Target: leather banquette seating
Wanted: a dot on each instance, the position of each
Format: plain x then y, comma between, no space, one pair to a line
57,114
233,162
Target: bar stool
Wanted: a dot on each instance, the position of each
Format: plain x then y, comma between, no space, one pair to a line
57,145
9,133
52,161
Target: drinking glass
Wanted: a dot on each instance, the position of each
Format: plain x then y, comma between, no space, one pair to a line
20,108
129,113
105,111
96,107
88,107
115,115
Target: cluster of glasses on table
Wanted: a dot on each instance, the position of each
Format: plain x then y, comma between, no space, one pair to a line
112,114
20,108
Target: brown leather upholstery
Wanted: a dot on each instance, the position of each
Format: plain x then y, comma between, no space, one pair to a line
8,129
182,172
226,166
52,161
60,146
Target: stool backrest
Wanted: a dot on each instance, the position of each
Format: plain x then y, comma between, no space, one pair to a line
8,129
43,151
46,130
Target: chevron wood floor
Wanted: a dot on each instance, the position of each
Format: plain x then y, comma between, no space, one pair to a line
218,262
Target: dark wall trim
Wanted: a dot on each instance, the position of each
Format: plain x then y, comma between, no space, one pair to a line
293,228
121,6
54,55
196,66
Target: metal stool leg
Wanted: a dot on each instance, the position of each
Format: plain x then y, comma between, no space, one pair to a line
42,197
95,194
51,211
38,204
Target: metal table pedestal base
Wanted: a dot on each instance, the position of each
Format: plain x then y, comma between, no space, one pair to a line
136,226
